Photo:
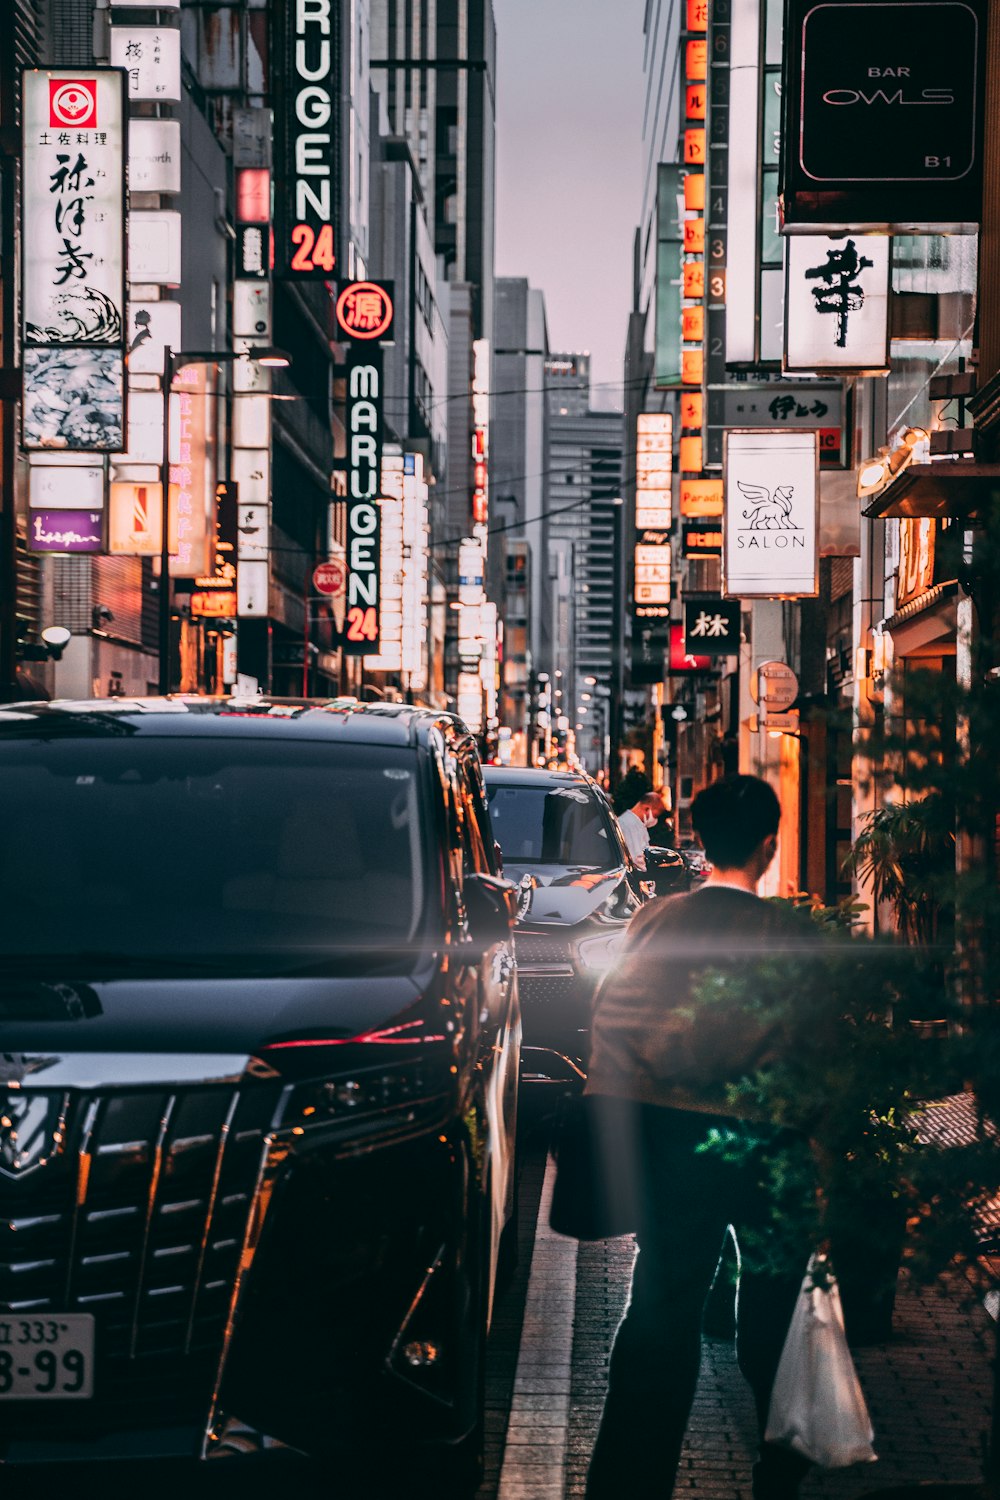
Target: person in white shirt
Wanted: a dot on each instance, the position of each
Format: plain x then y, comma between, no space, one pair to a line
636,823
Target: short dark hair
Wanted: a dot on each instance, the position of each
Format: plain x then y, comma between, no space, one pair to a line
733,817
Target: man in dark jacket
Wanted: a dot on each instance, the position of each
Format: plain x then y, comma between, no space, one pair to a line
651,1045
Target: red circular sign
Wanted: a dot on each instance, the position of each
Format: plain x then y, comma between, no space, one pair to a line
330,578
364,310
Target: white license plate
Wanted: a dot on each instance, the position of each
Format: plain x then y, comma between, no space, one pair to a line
47,1358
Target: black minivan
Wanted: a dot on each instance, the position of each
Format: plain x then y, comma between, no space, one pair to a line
259,1045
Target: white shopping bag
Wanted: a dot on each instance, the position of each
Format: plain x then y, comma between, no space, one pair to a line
817,1405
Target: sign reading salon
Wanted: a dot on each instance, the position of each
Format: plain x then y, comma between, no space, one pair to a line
769,525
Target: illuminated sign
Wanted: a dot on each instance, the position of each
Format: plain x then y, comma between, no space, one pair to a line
712,627
151,57
701,497
653,465
363,419
151,328
837,304
253,195
306,66
135,519
73,260
154,246
917,547
214,604
191,463
702,539
65,487
65,531
680,662
771,509
883,120
364,311
154,156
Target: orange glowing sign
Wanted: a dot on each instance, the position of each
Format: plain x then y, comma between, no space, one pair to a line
701,497
693,324
697,15
694,191
696,60
692,409
694,148
215,604
364,310
692,366
694,236
694,281
696,101
691,455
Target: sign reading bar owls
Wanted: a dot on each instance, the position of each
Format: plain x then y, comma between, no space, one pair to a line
837,301
770,533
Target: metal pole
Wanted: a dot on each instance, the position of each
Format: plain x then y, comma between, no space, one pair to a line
9,375
617,652
164,601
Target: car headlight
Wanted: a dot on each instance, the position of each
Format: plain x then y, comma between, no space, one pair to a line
600,953
365,1102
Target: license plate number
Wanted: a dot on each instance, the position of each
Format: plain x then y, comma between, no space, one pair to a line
47,1358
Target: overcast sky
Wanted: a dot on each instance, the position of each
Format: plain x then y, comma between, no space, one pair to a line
569,164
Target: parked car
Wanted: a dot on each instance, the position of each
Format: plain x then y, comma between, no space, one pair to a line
561,843
667,871
694,857
259,1041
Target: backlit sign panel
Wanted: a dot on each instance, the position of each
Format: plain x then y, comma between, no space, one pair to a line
680,663
712,627
306,67
151,57
770,528
837,304
65,531
883,113
365,311
363,420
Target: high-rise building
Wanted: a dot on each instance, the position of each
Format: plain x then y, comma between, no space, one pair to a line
584,523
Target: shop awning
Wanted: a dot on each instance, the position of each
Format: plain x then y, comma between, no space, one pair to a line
958,490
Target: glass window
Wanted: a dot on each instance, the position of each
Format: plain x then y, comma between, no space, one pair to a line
217,852
564,825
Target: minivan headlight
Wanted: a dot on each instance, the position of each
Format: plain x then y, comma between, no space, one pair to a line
364,1102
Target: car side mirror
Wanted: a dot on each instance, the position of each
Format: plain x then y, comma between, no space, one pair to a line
491,908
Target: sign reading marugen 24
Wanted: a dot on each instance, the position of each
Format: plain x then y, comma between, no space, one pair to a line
307,137
883,112
363,615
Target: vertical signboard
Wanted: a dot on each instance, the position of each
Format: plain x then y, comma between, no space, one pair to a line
73,259
837,304
770,531
306,70
651,585
883,114
363,420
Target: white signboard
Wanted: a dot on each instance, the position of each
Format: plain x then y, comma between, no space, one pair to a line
151,57
73,207
154,156
837,303
653,464
74,399
152,327
66,488
252,583
154,246
252,311
769,526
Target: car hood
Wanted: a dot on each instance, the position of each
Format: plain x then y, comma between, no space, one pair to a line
563,895
221,1022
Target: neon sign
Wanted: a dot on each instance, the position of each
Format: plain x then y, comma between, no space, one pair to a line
306,124
362,621
364,311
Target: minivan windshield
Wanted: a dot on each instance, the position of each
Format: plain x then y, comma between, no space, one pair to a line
207,853
552,825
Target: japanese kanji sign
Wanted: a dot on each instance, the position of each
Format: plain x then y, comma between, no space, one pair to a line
770,528
680,661
364,311
73,208
151,57
837,304
712,627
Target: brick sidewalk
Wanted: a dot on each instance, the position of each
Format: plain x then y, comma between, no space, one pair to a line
928,1389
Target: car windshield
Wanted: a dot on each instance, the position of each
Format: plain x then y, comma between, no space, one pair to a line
201,851
552,825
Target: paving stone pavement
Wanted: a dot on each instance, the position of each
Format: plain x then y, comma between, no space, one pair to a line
928,1390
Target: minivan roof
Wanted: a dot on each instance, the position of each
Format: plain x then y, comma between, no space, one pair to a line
182,716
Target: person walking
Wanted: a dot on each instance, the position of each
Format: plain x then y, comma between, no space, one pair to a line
636,822
651,1045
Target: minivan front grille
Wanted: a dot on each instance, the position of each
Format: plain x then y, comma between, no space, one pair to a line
138,1216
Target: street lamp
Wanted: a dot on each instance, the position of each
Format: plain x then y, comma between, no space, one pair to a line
173,362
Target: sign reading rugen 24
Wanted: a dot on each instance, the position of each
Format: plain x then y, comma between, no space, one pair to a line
307,140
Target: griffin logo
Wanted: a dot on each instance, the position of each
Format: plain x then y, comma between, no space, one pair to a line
768,512
32,1131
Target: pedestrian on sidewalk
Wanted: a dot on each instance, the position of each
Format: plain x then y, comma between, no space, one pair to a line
652,1046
